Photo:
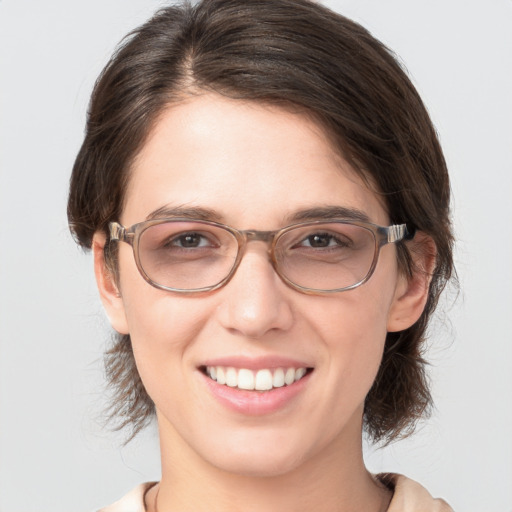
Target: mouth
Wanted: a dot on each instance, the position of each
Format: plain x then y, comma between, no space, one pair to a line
264,379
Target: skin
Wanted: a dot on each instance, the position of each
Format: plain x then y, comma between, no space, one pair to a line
255,166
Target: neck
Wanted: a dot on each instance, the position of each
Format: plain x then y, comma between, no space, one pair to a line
335,479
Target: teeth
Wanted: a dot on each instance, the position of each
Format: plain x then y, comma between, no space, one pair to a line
221,375
278,378
261,380
289,376
245,379
299,373
231,378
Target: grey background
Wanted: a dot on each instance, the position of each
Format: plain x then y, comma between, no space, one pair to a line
54,454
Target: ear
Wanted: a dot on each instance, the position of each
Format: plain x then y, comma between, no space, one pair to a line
107,286
411,292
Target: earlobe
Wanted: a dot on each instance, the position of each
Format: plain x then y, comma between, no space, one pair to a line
107,286
411,293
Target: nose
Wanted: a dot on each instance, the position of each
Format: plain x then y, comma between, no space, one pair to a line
255,301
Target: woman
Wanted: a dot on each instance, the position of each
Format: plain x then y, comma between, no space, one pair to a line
268,208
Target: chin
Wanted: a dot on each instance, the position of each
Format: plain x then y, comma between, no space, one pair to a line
263,466
257,459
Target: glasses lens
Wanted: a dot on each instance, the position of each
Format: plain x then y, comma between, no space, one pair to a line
186,255
327,256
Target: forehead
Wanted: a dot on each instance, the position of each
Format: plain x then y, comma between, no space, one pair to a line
241,159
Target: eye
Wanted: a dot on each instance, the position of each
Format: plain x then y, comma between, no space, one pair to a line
192,240
323,240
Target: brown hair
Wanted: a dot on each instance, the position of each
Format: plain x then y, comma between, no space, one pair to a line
290,53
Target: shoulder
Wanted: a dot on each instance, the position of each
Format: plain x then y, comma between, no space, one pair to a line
410,496
131,502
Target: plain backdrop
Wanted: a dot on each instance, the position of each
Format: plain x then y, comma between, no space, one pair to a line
54,453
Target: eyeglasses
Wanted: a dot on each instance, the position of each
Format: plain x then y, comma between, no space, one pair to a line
187,256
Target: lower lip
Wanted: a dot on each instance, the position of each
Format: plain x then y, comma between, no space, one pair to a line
255,403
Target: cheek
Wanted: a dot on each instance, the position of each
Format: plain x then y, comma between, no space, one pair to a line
354,331
357,319
162,328
356,337
156,319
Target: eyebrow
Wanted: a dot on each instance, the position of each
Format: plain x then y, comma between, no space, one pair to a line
315,213
188,212
328,212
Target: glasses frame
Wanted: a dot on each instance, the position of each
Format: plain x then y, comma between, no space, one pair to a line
382,235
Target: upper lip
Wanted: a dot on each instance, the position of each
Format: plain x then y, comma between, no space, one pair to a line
256,363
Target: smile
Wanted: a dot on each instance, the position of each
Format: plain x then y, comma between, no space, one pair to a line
260,380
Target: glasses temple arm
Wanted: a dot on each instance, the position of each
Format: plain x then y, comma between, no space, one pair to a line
117,232
400,232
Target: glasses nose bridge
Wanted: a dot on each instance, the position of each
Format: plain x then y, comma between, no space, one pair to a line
254,235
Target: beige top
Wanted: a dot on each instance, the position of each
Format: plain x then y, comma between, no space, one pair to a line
408,496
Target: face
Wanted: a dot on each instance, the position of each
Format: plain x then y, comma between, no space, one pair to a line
254,167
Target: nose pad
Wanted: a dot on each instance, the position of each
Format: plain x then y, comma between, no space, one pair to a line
255,301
